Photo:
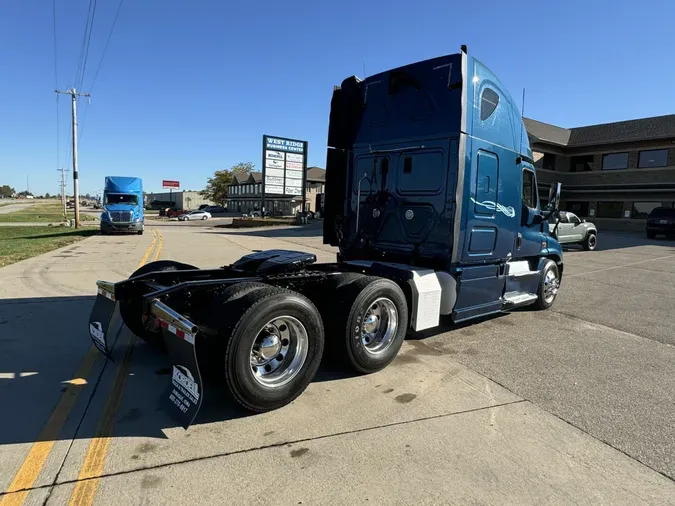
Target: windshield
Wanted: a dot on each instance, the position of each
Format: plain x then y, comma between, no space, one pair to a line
120,198
663,212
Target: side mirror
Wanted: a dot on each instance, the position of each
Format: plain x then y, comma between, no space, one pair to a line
554,196
583,220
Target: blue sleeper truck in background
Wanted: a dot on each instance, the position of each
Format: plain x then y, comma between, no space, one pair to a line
432,201
122,205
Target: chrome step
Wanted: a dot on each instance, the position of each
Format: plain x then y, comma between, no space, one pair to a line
518,298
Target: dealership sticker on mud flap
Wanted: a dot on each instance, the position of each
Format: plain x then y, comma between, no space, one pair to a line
98,335
185,392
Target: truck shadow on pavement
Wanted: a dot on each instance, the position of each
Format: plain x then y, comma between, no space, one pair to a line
314,229
44,342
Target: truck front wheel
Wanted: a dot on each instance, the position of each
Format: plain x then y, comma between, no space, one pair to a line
548,286
368,323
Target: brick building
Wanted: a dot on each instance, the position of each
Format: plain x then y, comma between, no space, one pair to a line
244,196
181,200
614,173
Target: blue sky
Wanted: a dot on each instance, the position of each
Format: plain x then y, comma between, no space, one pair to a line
187,88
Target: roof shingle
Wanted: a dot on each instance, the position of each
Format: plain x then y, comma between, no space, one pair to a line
657,127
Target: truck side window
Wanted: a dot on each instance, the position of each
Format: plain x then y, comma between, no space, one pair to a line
488,103
529,189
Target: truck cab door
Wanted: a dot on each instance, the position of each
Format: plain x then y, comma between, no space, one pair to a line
564,231
575,227
529,234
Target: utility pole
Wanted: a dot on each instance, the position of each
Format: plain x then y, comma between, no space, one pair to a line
63,190
74,94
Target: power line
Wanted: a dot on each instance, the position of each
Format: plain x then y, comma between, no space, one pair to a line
56,85
84,121
100,64
86,54
105,49
86,39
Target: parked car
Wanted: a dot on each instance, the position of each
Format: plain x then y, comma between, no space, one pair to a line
195,215
661,221
574,230
214,209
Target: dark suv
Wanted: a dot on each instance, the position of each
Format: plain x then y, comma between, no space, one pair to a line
661,221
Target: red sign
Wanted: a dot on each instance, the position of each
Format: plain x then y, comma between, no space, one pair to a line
170,184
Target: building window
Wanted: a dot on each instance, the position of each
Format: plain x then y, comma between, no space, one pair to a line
582,163
615,161
488,103
548,162
642,209
653,158
578,208
529,193
610,210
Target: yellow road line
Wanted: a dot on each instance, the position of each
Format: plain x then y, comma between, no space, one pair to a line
32,464
159,246
148,251
37,456
89,478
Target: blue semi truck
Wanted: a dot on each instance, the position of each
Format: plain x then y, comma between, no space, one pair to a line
433,205
122,205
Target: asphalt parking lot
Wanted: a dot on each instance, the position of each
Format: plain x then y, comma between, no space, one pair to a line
571,405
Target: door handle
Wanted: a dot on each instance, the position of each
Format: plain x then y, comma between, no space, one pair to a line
519,240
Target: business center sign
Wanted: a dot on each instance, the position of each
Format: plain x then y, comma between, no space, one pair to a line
284,166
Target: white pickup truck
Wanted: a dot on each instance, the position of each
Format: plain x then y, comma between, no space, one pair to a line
574,230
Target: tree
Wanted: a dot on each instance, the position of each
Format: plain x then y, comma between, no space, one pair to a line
7,191
242,170
48,196
216,186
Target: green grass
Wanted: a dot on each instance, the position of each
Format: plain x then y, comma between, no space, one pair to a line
19,243
51,212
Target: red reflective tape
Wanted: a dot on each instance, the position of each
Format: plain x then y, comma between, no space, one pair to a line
164,324
180,333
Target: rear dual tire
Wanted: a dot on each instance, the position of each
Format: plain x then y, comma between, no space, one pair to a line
266,344
366,321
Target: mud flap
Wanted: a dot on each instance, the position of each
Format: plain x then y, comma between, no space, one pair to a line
100,318
183,396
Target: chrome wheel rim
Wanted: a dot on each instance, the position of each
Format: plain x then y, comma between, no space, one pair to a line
279,351
591,242
377,329
551,285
